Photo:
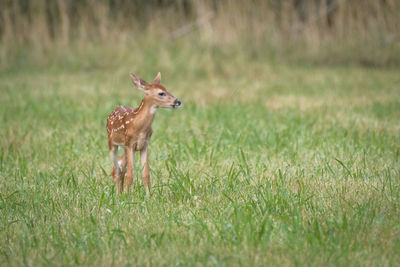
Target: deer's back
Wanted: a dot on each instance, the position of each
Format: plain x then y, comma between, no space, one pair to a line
117,123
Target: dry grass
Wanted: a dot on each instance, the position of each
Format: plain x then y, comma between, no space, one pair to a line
336,31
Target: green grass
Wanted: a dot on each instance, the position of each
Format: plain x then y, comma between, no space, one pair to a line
265,164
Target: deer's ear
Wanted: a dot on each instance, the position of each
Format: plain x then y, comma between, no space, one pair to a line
139,83
157,79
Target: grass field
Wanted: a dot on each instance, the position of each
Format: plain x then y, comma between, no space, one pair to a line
264,164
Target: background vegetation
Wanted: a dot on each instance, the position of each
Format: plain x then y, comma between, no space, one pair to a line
285,152
319,31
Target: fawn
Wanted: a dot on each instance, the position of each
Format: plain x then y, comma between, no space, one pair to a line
131,129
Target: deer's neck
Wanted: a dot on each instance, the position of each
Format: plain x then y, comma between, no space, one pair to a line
145,114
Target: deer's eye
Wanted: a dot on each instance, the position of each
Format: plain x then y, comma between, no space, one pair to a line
161,94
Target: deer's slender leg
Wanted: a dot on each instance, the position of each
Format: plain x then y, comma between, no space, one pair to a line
117,169
144,156
122,163
130,159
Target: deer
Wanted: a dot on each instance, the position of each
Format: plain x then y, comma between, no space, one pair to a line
131,130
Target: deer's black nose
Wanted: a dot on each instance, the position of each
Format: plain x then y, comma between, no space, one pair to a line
177,102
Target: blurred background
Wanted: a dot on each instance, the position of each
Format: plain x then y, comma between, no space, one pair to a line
42,32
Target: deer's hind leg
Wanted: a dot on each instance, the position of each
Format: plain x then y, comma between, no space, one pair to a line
122,164
118,171
130,160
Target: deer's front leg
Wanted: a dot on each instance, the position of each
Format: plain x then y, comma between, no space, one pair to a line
145,165
130,159
122,164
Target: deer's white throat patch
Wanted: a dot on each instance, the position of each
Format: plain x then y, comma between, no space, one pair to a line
153,109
